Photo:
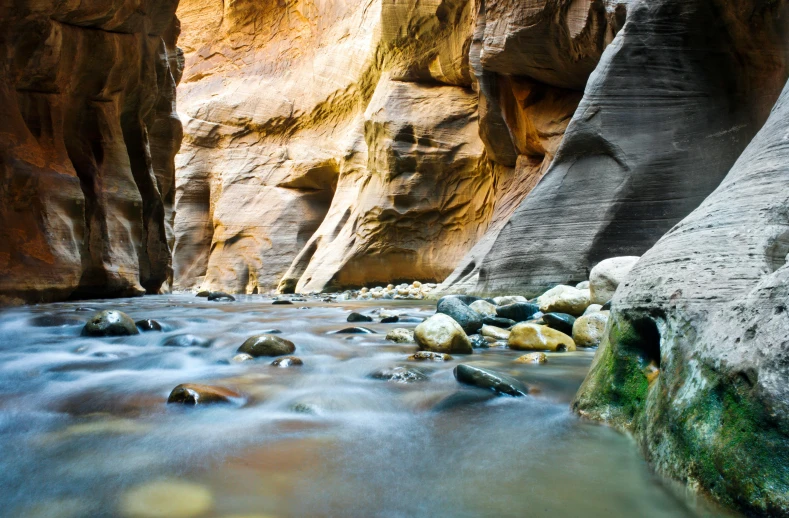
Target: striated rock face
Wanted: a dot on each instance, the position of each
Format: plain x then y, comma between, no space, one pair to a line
676,98
357,142
696,361
88,132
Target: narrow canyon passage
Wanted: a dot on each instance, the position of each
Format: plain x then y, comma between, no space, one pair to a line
86,431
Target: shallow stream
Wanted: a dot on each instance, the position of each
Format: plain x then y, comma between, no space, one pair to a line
84,421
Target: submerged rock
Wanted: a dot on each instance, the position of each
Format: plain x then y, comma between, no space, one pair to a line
532,358
533,337
463,398
220,296
390,320
195,394
110,323
607,275
421,356
470,321
559,321
400,335
354,331
186,340
518,311
358,317
487,379
399,375
241,358
479,342
148,325
166,499
588,330
287,361
442,334
564,299
267,345
281,302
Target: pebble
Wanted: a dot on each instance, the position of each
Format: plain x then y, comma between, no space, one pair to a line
560,321
287,361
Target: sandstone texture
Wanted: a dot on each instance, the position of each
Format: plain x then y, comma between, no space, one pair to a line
88,132
696,359
334,145
676,97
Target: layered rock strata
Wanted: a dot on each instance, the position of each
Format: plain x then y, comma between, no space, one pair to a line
88,132
385,144
674,101
696,358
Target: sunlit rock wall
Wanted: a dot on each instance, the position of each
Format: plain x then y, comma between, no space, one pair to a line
345,143
88,131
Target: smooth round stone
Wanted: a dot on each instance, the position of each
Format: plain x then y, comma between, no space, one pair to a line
560,321
399,375
503,323
358,317
442,334
491,380
509,299
281,302
606,276
400,335
186,340
196,394
593,308
533,337
110,323
148,325
583,285
532,358
220,296
267,345
241,358
429,356
287,361
166,499
494,332
517,311
390,320
589,330
484,308
564,299
354,331
470,321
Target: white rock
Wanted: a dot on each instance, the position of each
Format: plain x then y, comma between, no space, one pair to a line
564,299
495,332
588,330
509,299
484,308
416,284
593,308
441,334
607,275
583,285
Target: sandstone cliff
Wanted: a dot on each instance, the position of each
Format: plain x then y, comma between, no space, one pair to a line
369,141
706,309
675,100
88,132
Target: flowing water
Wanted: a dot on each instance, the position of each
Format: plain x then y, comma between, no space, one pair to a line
84,421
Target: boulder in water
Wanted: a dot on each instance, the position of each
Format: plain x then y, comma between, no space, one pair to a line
518,311
220,296
588,330
478,342
390,319
491,380
358,317
110,323
148,325
503,323
195,394
560,321
484,308
532,358
354,331
564,299
429,356
442,334
495,332
399,375
533,337
470,321
400,335
267,345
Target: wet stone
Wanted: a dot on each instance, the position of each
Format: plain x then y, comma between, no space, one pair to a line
220,296
429,356
110,323
390,320
148,325
203,293
491,380
560,321
287,361
455,308
503,323
518,311
400,335
196,394
399,375
479,342
532,358
241,358
354,331
186,340
281,302
358,317
267,345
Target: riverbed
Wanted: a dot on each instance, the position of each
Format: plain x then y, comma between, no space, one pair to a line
85,423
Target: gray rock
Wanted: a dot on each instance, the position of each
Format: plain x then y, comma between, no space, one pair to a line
504,323
560,321
186,340
220,296
696,359
267,345
518,311
399,375
454,307
487,379
110,323
358,317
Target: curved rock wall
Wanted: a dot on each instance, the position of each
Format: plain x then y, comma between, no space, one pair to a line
677,97
696,361
88,132
342,143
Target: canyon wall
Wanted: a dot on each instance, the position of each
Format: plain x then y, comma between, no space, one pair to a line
696,358
88,132
344,143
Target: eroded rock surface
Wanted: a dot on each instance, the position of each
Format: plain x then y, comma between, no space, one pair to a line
88,132
696,361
